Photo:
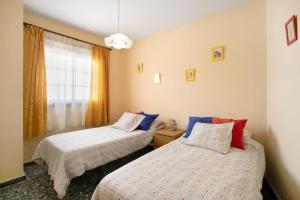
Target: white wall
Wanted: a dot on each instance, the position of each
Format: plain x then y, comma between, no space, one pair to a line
11,89
283,69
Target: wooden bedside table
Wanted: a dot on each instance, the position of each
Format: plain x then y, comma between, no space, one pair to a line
164,136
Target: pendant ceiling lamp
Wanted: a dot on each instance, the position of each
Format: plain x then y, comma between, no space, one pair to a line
118,40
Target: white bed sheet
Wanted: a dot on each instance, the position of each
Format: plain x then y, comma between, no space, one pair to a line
69,155
177,171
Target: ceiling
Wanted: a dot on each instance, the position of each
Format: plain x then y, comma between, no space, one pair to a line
138,18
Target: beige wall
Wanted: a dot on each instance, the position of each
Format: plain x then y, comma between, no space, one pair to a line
235,87
60,27
11,87
117,85
116,69
283,68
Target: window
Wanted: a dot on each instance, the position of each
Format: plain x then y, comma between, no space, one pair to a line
68,69
68,75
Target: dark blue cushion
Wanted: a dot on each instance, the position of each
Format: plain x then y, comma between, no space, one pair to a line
147,121
193,121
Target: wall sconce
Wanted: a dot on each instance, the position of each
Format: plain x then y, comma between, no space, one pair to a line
156,78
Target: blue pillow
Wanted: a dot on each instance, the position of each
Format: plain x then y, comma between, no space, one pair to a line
147,121
193,121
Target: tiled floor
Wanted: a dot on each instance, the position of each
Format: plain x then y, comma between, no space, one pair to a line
38,185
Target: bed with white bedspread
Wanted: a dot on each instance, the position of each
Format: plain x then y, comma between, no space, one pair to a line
177,171
70,154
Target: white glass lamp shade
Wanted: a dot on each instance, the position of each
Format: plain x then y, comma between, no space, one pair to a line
118,41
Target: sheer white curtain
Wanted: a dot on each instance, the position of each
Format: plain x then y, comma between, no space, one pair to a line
68,74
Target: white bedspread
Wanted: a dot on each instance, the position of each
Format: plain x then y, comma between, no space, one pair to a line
180,172
70,154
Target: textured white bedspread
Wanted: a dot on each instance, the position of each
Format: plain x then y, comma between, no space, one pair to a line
180,172
70,154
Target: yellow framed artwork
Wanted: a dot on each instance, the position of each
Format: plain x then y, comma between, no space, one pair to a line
190,75
140,68
218,53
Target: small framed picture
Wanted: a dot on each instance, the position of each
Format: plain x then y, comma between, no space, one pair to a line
140,68
218,53
291,30
190,75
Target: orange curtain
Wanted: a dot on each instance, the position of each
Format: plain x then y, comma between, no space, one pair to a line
98,107
34,95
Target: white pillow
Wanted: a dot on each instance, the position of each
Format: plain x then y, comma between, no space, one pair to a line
216,137
128,122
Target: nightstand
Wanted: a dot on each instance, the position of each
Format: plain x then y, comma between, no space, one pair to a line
164,136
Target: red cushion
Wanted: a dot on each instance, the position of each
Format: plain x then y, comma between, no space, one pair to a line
237,130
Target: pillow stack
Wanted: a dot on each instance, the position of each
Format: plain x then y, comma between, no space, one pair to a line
237,131
131,121
212,130
193,121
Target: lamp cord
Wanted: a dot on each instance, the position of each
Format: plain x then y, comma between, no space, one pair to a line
118,16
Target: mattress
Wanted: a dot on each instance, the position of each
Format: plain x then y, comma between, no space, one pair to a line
69,155
180,172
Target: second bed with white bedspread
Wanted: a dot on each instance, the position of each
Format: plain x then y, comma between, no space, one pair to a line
177,171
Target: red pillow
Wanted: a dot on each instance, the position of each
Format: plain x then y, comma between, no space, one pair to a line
237,130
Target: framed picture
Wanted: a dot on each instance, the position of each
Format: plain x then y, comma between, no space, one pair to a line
218,53
291,30
140,68
190,75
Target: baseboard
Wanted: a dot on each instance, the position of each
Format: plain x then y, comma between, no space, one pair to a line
13,181
272,187
16,180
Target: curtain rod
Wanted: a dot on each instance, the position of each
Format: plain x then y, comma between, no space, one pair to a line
25,23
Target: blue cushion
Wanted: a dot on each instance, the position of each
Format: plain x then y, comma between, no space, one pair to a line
193,121
147,121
